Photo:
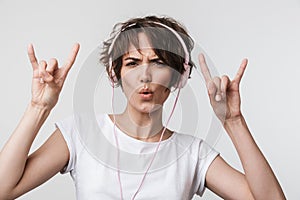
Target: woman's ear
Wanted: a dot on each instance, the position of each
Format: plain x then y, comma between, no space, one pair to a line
120,83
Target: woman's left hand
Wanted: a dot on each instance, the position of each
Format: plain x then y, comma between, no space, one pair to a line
224,93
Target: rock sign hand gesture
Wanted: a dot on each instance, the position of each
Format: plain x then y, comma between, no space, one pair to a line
48,78
224,93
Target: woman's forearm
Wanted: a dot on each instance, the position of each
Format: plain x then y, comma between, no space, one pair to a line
258,173
14,154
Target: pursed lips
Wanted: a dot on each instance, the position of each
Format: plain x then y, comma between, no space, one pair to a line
146,94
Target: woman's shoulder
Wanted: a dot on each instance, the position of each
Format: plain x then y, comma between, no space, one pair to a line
193,144
83,118
183,138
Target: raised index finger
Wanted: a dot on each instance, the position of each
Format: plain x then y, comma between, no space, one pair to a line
204,69
72,56
241,70
32,58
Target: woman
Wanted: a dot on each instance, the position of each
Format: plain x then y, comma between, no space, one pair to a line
148,57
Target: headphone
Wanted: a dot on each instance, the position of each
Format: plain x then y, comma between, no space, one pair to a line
184,76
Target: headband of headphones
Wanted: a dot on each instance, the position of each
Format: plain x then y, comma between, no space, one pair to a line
184,77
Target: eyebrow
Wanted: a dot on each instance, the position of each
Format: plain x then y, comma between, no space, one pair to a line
132,58
138,59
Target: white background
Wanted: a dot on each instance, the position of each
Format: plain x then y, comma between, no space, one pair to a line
266,32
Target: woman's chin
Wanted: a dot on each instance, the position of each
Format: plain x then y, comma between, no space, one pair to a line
151,109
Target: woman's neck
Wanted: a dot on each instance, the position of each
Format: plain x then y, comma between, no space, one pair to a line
143,126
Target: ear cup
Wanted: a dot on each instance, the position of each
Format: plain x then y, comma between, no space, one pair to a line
184,77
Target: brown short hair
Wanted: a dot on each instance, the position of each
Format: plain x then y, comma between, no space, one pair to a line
165,44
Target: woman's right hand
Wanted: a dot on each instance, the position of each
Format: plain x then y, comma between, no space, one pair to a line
48,78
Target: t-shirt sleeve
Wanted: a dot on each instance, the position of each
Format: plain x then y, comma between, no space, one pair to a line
206,156
67,129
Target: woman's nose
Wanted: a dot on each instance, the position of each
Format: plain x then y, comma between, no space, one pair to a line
145,73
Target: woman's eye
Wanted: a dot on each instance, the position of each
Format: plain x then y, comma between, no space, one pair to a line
131,64
159,63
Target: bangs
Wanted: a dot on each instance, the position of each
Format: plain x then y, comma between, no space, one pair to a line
164,44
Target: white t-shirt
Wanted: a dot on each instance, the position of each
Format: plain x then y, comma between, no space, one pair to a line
96,178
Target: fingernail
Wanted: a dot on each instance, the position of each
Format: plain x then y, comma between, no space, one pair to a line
218,97
42,80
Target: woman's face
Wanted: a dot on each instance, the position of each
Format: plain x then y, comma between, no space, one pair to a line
145,78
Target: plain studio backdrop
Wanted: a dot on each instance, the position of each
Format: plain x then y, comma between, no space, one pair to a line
266,32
